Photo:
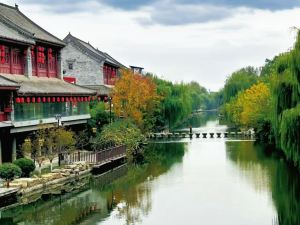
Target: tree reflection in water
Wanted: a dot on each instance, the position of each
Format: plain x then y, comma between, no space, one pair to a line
132,193
270,174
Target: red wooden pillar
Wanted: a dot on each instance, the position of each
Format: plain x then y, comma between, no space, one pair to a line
11,60
57,64
48,63
36,61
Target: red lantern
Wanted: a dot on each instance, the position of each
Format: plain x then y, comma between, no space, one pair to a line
105,98
53,99
28,100
33,100
78,99
58,99
82,99
22,100
99,98
44,99
18,100
74,99
67,99
38,100
89,99
62,99
48,99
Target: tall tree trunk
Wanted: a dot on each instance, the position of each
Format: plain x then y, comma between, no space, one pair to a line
51,165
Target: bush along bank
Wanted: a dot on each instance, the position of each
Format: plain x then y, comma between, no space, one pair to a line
122,132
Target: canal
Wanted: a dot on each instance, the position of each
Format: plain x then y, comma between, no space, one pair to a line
198,181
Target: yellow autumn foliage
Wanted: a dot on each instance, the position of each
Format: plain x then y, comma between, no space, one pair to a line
135,97
250,106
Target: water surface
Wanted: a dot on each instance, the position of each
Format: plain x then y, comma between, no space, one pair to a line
199,181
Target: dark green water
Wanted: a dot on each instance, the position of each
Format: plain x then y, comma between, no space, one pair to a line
199,181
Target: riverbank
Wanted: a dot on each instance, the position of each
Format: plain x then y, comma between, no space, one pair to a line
59,181
72,178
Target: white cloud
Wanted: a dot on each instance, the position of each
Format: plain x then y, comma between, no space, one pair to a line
205,52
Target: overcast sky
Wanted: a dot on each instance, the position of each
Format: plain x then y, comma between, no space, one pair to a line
200,40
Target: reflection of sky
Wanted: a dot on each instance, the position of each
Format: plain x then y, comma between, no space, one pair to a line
210,126
207,188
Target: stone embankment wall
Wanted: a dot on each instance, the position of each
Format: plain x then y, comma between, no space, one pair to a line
60,181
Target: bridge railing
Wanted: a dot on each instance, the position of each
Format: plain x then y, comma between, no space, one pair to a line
98,157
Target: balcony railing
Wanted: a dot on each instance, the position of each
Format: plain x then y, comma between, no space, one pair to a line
98,157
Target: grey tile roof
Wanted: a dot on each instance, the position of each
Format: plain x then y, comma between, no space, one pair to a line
23,23
101,89
8,83
93,51
10,31
113,61
44,86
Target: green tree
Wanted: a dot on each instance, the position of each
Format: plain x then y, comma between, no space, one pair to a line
8,171
286,101
99,115
121,132
239,81
64,142
26,165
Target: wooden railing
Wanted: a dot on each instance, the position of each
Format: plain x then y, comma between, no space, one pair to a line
98,157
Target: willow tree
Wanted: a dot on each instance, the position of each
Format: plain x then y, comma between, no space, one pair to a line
286,96
239,81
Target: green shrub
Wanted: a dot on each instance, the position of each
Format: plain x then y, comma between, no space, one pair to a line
121,132
8,171
27,166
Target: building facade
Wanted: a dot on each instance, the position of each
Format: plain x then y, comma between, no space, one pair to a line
137,69
32,89
88,66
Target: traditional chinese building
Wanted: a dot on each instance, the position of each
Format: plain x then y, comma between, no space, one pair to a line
87,66
32,89
137,69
